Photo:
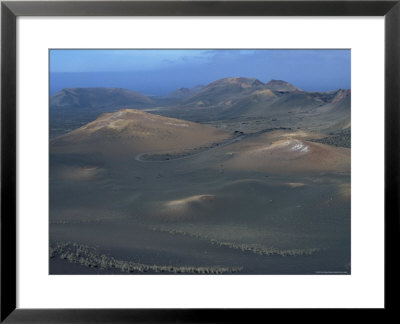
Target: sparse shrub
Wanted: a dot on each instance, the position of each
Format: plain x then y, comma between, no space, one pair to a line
88,256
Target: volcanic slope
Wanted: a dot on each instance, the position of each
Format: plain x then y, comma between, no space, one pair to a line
224,90
128,132
242,205
275,103
282,86
287,152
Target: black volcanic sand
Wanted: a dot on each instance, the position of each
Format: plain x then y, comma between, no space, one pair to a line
136,212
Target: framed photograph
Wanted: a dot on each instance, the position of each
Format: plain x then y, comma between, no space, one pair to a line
191,161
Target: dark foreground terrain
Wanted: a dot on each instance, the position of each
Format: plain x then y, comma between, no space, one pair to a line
262,187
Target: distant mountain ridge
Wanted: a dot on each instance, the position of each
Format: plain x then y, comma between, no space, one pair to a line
220,92
277,103
183,93
249,97
224,90
98,98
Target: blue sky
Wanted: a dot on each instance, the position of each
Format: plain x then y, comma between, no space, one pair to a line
158,72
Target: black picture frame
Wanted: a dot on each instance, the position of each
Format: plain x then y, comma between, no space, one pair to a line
10,10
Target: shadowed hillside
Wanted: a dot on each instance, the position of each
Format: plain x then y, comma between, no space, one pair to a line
184,93
97,98
277,103
282,86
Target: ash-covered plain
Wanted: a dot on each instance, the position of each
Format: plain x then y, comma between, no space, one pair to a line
236,177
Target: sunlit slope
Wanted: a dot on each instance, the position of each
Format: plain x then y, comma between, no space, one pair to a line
130,131
287,153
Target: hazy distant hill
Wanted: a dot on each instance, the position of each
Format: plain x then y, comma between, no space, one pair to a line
224,90
279,85
97,98
184,93
245,96
280,101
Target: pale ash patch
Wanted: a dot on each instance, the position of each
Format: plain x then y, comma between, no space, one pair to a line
120,114
191,199
291,145
174,124
300,147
